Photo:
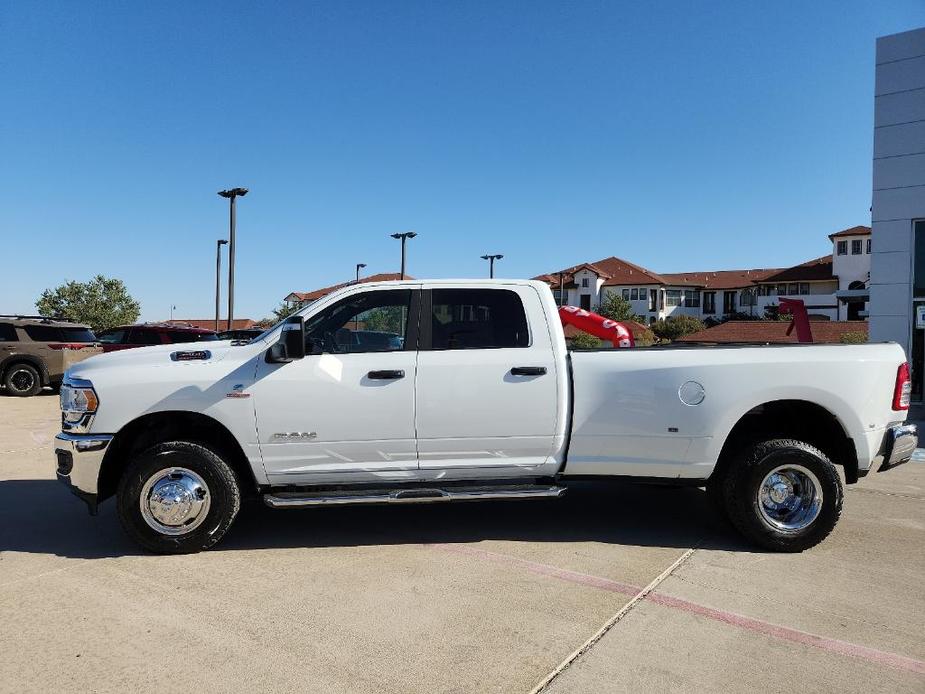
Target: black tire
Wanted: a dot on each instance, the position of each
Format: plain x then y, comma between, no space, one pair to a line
22,380
222,490
742,483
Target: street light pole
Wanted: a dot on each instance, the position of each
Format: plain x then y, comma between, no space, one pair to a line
491,263
218,277
404,237
359,267
231,195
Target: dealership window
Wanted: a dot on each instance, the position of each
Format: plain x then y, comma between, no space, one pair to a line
626,294
709,302
842,248
793,289
856,247
804,287
634,294
868,246
692,299
782,289
917,362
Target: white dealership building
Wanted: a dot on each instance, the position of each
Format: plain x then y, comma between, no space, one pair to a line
897,285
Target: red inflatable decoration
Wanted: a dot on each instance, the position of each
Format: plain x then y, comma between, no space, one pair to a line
799,318
604,328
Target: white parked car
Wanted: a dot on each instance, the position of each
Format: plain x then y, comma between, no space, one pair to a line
471,395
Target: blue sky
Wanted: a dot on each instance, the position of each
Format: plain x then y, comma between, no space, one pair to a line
680,136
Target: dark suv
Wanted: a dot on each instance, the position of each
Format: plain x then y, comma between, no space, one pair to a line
36,351
147,334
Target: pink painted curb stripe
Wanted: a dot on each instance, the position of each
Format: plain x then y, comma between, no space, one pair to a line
893,660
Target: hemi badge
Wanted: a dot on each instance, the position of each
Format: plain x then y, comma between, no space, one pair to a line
197,355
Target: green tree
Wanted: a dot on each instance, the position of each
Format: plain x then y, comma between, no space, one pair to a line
386,319
675,327
854,337
284,311
616,308
583,341
772,312
101,303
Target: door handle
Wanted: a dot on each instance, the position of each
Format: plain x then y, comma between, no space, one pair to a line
386,375
528,371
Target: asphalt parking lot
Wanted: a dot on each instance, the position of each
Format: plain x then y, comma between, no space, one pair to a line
494,597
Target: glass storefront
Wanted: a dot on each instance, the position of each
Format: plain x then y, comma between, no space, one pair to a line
917,362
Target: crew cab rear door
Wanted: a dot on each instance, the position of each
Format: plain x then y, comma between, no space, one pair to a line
487,384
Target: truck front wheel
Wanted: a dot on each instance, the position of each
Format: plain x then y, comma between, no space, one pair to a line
177,498
783,494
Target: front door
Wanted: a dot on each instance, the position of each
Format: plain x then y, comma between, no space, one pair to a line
348,405
488,386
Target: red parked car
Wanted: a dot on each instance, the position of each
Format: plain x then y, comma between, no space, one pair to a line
147,334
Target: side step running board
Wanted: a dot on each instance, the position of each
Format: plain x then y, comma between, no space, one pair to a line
409,496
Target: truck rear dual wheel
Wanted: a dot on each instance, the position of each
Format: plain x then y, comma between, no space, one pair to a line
177,498
782,494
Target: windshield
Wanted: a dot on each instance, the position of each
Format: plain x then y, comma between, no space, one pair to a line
112,337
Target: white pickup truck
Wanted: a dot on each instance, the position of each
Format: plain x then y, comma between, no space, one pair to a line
425,391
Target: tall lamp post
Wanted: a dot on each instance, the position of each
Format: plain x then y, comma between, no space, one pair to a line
360,266
491,263
404,237
231,195
218,276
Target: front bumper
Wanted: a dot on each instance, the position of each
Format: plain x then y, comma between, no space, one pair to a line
79,459
899,444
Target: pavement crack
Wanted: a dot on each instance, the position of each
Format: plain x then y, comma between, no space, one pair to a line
610,623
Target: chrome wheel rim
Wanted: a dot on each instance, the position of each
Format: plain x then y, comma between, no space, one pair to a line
789,498
22,380
175,501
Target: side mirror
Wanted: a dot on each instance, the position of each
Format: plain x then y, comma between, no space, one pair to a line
291,344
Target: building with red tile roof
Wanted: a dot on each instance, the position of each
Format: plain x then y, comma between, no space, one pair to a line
302,298
832,286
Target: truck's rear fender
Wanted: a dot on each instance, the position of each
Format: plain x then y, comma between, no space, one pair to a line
177,425
796,419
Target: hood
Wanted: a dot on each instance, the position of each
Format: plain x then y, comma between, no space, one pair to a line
181,355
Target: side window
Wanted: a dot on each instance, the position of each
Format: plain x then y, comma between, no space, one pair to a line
477,319
43,333
7,333
374,321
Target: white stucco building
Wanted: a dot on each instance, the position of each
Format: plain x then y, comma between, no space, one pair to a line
833,287
897,282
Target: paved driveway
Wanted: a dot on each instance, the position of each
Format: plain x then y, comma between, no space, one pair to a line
659,592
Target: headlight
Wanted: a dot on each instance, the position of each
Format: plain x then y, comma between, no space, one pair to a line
78,403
